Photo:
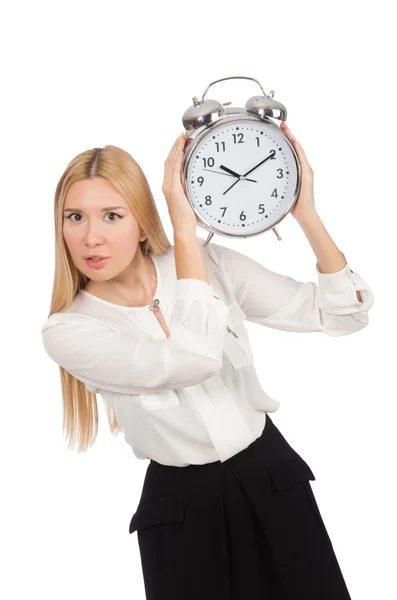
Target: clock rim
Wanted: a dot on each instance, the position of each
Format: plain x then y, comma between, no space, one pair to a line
197,137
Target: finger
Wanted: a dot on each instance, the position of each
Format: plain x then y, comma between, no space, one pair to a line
181,143
169,163
297,145
178,156
177,173
174,148
288,131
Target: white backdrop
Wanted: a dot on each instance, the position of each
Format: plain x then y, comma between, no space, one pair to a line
81,74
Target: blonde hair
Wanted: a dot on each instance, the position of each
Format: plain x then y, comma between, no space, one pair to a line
80,410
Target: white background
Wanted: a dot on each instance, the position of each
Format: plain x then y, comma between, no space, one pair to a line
86,74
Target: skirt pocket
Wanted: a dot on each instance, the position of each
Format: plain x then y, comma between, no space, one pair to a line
154,520
290,472
285,475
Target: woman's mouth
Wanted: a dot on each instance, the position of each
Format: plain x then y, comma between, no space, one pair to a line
95,263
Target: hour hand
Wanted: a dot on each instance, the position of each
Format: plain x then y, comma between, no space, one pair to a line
230,171
234,173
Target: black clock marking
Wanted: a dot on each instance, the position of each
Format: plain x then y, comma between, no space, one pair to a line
240,136
217,144
210,162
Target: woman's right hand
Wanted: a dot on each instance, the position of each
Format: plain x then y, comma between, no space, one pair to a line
180,210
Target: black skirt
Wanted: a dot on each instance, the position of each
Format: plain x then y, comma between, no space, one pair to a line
245,529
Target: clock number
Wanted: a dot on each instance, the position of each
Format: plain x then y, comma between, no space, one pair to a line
272,152
240,140
242,218
281,173
209,161
208,200
224,208
274,193
200,180
223,146
261,209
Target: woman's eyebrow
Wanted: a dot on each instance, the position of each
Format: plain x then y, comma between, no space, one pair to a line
103,209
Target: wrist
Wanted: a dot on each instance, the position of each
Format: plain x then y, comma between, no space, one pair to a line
310,217
185,233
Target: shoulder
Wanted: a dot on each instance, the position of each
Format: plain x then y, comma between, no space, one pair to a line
225,258
70,319
65,334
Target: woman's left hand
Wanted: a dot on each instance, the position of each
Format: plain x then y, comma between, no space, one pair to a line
304,207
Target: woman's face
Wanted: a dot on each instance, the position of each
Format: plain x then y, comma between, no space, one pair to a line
97,221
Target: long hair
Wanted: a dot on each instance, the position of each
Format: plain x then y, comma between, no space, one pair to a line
80,409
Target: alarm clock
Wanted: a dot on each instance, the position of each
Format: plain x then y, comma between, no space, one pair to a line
240,172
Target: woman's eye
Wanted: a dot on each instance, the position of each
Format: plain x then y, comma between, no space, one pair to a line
112,213
78,214
71,215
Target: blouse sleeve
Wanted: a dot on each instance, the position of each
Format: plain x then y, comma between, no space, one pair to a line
281,302
102,357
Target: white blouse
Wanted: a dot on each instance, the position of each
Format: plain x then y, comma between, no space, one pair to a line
194,397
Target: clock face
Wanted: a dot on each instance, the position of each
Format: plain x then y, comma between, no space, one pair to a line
246,148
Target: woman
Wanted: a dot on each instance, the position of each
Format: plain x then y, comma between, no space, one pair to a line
226,511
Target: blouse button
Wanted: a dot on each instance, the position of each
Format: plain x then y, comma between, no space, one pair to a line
231,331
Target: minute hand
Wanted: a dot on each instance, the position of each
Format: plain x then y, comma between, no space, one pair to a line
250,171
259,164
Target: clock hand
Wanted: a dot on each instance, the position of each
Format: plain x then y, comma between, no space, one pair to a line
229,171
220,173
229,188
259,164
248,172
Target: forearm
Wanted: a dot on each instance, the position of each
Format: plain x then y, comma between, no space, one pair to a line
189,261
329,258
